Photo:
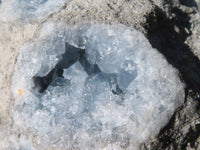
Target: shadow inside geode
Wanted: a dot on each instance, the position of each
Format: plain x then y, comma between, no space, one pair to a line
71,56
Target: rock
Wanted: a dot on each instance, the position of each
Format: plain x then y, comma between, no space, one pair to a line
120,105
179,21
174,26
16,30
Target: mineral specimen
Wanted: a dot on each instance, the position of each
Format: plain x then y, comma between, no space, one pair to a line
29,10
93,87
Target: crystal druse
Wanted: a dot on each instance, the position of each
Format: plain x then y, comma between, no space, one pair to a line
29,10
113,90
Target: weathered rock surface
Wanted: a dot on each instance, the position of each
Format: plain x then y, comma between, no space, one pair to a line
173,29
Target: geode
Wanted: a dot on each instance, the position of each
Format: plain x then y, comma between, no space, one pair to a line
93,86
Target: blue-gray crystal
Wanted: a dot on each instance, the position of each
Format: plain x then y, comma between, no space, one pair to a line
113,92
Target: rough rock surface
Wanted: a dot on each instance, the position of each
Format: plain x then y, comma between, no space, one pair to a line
174,23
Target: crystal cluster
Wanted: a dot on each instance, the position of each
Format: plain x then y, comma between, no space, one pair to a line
113,93
29,10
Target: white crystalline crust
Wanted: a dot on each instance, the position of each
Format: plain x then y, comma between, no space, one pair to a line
27,10
80,110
